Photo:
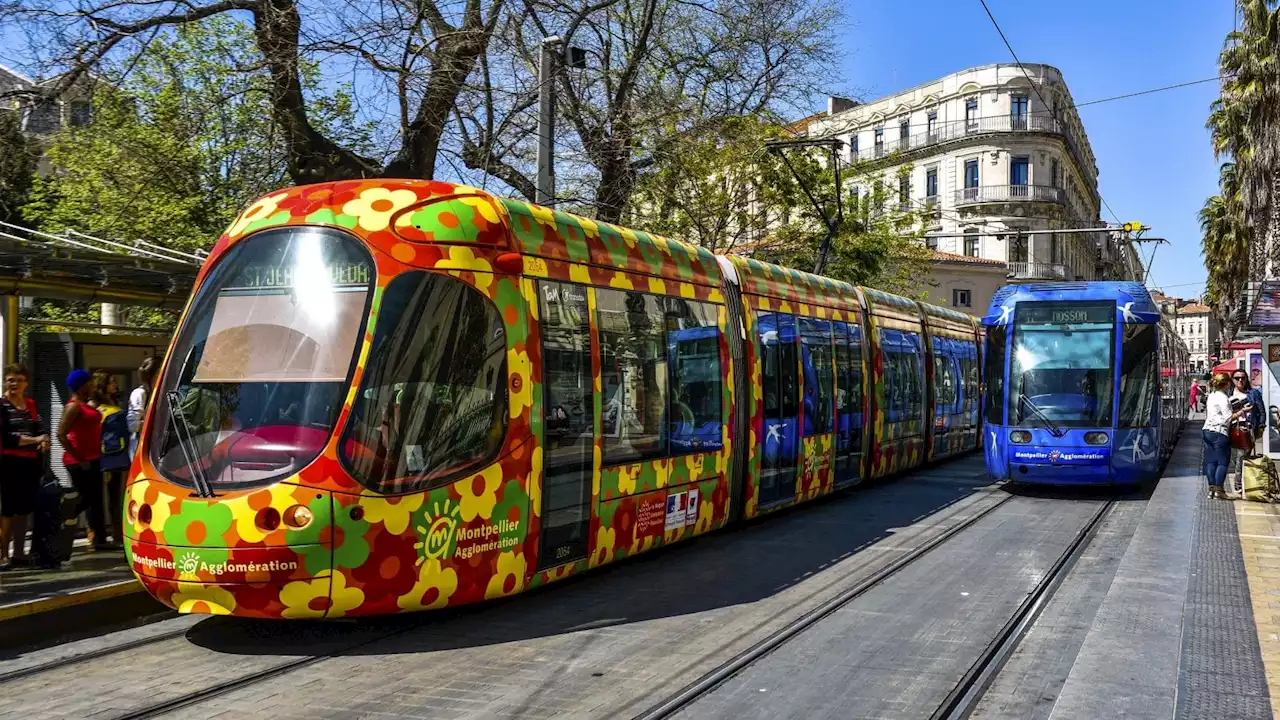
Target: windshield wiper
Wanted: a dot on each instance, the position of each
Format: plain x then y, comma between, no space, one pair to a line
182,430
1051,425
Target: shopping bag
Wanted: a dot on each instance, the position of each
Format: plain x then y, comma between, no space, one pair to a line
1260,480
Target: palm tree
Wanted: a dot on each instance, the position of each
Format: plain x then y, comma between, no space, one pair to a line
1226,247
1245,125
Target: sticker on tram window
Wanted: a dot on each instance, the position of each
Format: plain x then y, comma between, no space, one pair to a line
414,459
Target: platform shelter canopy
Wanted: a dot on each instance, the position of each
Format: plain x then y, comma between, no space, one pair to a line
75,266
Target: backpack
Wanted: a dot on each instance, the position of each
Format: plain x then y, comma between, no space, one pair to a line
115,430
1259,479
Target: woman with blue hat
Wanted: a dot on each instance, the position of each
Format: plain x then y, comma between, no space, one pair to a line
80,432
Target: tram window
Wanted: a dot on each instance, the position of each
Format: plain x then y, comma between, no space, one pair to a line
693,347
816,337
262,366
855,365
633,375
433,402
997,341
944,383
1138,366
902,374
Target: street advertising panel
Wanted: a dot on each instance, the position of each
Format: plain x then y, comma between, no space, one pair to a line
1271,396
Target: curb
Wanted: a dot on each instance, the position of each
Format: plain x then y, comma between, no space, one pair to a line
28,608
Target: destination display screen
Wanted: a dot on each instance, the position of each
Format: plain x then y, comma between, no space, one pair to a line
1055,314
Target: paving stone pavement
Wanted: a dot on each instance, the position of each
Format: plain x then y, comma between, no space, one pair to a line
603,646
897,651
1258,526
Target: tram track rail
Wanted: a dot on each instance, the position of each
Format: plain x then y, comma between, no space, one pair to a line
77,658
715,677
971,687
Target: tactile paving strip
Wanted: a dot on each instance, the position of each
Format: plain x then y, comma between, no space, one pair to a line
1221,675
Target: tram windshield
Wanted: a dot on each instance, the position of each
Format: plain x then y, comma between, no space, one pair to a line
260,371
1062,364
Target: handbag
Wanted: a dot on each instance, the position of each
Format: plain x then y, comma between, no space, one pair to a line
1241,438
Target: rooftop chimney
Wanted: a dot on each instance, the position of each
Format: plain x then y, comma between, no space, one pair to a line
837,104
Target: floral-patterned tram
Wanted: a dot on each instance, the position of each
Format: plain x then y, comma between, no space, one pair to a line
389,396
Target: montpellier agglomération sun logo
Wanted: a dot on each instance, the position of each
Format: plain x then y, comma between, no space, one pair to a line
189,563
439,532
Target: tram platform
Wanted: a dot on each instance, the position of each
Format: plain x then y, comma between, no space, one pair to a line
30,596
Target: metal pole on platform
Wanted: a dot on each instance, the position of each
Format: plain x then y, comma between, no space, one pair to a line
8,330
546,191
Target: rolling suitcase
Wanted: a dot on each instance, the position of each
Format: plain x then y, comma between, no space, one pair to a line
54,531
1258,475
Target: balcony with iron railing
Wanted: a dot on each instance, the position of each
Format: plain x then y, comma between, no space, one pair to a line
959,130
1010,193
1038,270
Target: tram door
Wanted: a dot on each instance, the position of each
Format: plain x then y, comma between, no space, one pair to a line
567,423
781,386
848,343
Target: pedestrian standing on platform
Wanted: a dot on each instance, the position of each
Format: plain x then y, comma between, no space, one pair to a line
139,399
1248,425
22,441
115,447
80,432
1216,434
1195,396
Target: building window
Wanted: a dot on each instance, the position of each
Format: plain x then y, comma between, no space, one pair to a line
971,243
904,131
931,186
1054,177
971,114
960,298
1019,174
853,144
931,242
879,142
931,124
1018,112
1018,248
1055,249
81,113
970,179
904,193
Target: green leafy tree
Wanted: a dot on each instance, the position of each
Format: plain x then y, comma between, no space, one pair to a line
724,191
17,167
179,149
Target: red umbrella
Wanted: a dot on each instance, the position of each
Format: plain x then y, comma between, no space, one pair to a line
1227,367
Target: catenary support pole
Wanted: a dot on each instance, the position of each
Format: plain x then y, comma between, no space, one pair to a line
549,50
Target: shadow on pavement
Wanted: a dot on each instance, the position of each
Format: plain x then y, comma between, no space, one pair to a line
717,571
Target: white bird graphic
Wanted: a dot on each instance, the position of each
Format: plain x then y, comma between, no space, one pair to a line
1128,314
769,336
993,438
1005,312
775,433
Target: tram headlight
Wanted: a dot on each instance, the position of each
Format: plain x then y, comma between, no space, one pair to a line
297,517
1096,438
1022,437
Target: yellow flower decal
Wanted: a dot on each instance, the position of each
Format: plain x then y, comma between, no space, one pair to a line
509,577
343,599
705,512
431,576
480,493
544,216
627,479
534,483
579,274
460,259
375,206
663,470
657,286
198,598
306,598
160,511
590,228
264,208
621,281
483,207
394,513
603,553
521,381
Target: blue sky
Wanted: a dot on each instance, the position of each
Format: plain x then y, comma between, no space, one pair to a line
1155,164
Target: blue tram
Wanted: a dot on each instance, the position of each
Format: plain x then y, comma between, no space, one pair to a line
1085,384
